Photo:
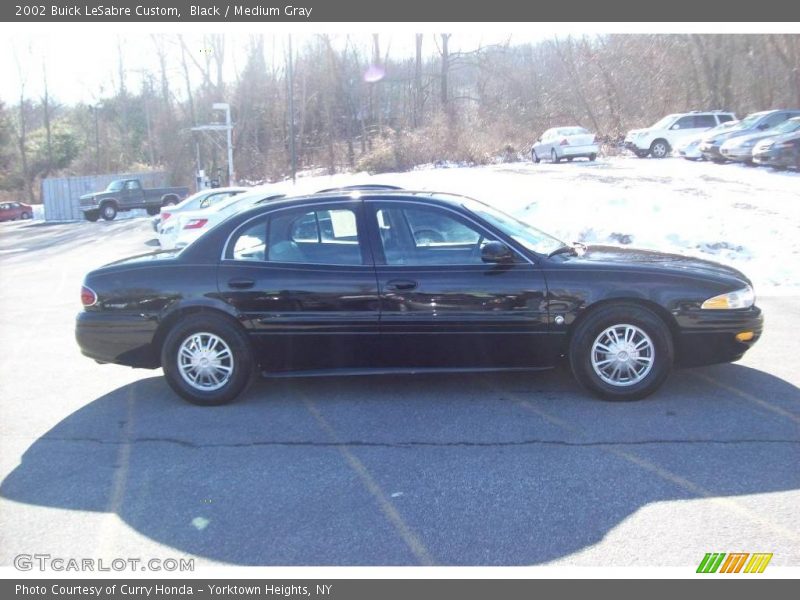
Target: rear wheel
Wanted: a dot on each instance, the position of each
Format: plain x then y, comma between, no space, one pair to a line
25,215
621,352
153,210
207,359
554,156
659,149
592,157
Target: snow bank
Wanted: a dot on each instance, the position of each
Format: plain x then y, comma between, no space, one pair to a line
743,216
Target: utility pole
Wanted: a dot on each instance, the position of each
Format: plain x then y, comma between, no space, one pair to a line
290,80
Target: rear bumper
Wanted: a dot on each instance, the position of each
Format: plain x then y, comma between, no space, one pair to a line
709,336
776,158
123,339
580,151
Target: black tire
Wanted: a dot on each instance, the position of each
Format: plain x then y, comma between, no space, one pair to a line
108,211
91,215
660,148
24,216
570,158
554,157
243,365
592,327
592,157
153,210
535,157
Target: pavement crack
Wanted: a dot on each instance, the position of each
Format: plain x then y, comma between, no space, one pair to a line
414,443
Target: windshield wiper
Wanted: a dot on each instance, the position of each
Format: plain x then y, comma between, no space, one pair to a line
576,249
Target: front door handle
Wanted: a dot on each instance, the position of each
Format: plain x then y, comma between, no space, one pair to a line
401,285
241,283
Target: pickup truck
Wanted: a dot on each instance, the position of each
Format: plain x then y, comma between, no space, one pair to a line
126,194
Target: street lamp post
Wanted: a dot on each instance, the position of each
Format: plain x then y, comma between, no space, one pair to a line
229,127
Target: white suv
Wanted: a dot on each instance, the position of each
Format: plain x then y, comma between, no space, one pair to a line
658,140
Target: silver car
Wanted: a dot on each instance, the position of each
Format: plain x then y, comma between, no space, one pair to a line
565,142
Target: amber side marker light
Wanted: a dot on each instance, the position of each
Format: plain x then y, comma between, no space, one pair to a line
744,336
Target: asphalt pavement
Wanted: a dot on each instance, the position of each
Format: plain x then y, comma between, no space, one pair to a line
511,469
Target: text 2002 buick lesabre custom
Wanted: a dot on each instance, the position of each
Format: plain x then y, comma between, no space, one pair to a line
398,281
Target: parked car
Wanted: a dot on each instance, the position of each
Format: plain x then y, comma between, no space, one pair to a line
565,142
198,201
123,195
659,139
187,226
690,147
740,149
753,123
779,152
11,211
349,283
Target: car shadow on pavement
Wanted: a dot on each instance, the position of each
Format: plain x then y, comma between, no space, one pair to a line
500,470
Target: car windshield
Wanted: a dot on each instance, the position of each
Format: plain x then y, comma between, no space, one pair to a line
572,131
115,186
751,120
522,233
789,126
664,123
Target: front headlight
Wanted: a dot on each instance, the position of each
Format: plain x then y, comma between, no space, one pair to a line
743,298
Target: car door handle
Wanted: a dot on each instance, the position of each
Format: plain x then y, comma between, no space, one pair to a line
241,283
401,285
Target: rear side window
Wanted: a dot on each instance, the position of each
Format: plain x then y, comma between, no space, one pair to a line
250,244
705,121
319,236
725,118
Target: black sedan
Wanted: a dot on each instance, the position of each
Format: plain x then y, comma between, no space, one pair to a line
380,281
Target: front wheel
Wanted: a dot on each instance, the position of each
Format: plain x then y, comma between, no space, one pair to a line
621,352
554,156
207,359
535,157
592,157
108,212
659,149
25,216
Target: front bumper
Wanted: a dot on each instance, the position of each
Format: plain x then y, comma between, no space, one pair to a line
737,154
707,337
631,145
123,339
776,157
711,152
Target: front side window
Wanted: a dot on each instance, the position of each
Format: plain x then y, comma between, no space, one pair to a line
417,235
684,123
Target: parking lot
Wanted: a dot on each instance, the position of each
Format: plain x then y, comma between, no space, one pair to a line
105,461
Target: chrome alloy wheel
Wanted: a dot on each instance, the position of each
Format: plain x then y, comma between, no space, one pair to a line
205,361
622,355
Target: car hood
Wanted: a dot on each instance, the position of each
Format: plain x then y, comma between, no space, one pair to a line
89,196
617,257
754,137
727,135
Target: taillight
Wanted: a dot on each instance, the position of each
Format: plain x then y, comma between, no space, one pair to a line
196,224
165,216
88,297
594,139
565,142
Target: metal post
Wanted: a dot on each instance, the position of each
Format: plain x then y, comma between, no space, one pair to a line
291,111
229,128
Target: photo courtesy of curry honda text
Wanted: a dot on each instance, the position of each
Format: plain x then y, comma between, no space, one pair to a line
392,281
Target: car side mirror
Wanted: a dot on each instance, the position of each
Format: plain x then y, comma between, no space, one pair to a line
763,126
538,139
496,252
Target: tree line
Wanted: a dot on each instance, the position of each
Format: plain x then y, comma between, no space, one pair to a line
358,106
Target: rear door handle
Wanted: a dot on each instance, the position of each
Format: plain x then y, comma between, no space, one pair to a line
241,283
401,285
